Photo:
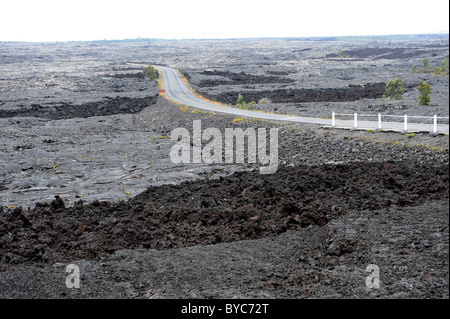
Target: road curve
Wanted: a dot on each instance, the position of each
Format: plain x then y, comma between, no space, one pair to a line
176,90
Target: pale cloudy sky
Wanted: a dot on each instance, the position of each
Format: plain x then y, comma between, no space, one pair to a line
67,20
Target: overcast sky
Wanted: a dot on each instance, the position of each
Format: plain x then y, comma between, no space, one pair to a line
67,20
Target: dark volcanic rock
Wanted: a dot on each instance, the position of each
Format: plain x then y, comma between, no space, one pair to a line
241,78
245,205
117,105
381,53
367,91
139,75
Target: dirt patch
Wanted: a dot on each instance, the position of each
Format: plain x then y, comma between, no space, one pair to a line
245,205
347,94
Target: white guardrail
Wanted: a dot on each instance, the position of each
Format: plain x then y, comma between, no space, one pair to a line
380,122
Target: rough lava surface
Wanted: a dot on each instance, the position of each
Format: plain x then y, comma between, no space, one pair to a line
86,177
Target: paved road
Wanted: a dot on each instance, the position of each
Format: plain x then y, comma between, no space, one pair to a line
177,90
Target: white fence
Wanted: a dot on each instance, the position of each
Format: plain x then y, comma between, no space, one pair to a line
380,125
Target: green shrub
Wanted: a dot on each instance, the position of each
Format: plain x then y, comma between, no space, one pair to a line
426,65
437,70
150,72
425,90
341,54
242,105
240,101
444,66
395,89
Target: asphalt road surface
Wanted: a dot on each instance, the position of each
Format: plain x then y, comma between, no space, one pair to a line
176,90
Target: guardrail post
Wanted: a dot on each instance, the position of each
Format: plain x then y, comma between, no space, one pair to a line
333,119
379,121
405,124
435,124
355,125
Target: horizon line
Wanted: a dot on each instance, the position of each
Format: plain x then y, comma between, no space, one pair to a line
304,38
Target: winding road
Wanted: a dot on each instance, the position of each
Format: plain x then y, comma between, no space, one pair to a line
176,90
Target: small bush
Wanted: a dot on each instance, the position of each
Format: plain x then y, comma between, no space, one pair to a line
264,100
426,65
395,89
150,72
341,54
240,101
437,70
242,105
425,90
444,66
